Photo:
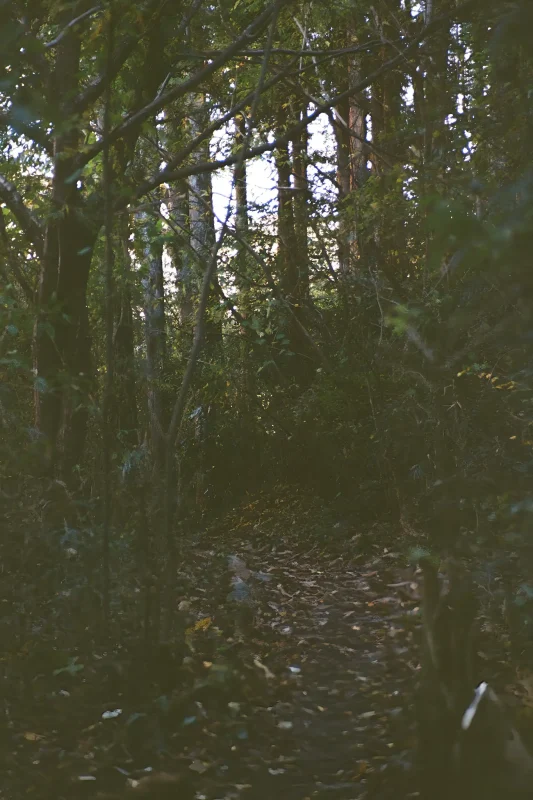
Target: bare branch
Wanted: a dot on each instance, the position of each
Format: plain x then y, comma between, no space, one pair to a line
187,86
168,174
182,154
172,174
285,51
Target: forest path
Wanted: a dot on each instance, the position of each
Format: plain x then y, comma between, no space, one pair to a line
314,700
337,632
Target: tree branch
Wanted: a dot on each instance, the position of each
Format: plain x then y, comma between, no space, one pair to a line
59,38
95,89
182,154
171,174
186,87
199,329
25,218
285,51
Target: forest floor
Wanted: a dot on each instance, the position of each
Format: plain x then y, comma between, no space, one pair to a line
309,695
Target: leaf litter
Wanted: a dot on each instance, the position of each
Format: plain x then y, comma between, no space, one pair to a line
295,681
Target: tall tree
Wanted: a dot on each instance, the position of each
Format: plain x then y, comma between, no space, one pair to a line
65,235
151,250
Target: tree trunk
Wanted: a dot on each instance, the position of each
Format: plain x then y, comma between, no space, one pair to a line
301,210
287,249
384,242
438,101
245,462
352,156
241,186
202,242
154,315
292,263
126,419
61,341
181,257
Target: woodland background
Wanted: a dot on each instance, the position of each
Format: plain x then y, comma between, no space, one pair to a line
347,358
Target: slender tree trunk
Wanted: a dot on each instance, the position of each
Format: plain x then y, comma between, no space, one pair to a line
202,232
357,126
152,539
126,418
437,103
287,249
246,454
185,272
125,412
154,314
181,257
342,136
292,267
301,210
438,100
383,242
352,172
241,186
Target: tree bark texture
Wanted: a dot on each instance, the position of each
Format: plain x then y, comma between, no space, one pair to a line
352,156
202,243
61,341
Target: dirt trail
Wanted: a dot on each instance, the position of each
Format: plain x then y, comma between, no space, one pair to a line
342,633
323,709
